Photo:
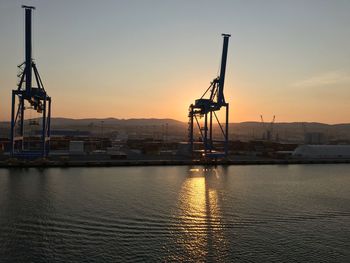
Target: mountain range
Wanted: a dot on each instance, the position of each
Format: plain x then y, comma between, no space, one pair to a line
292,131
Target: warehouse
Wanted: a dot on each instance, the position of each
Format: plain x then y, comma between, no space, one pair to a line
322,151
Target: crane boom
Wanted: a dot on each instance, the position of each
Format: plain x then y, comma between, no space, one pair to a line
221,98
28,48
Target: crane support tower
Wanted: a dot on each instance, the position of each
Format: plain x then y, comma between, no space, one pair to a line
29,97
212,101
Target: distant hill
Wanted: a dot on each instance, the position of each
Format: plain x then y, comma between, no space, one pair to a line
292,131
289,132
58,122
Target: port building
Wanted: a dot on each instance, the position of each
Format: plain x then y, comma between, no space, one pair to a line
322,151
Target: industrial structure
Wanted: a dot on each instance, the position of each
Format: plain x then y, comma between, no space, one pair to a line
29,97
268,129
322,151
208,108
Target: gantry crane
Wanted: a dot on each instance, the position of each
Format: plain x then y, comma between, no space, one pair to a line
207,107
268,130
29,97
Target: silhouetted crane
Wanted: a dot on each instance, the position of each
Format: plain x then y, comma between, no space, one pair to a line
37,98
268,129
207,107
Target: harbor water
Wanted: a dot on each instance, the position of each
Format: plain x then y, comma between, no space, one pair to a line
272,213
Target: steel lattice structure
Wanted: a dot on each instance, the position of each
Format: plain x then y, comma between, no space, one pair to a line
207,108
35,96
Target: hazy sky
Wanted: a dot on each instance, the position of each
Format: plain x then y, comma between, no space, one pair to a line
152,58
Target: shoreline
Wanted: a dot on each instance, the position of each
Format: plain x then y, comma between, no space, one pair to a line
140,163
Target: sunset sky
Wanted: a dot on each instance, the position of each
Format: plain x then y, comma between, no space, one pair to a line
152,58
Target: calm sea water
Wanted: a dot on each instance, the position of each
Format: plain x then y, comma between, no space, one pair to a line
298,213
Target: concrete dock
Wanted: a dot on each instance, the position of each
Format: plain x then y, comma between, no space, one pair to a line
11,163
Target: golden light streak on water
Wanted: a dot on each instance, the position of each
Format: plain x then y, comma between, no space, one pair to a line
201,230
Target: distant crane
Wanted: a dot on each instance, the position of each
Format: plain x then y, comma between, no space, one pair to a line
268,129
303,126
36,98
207,108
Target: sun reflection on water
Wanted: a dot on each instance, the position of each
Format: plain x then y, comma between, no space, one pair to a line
200,232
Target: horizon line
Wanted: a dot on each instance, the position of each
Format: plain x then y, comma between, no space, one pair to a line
172,119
